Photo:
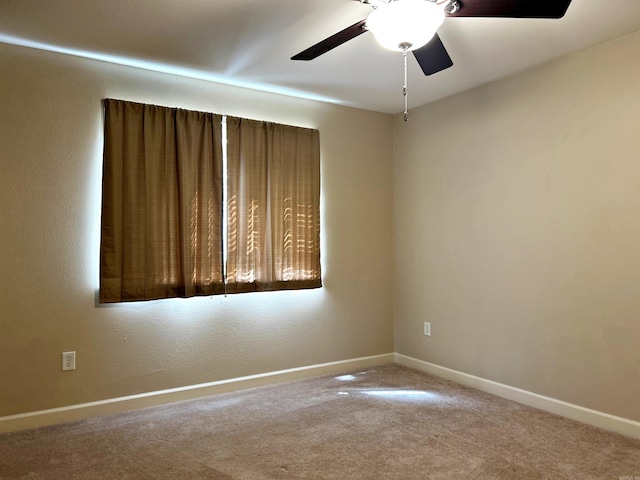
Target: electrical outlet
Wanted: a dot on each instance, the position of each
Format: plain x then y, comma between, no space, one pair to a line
427,329
68,361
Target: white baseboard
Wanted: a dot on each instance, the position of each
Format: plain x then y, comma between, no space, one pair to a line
612,423
70,413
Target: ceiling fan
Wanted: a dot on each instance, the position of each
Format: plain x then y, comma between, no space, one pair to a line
411,25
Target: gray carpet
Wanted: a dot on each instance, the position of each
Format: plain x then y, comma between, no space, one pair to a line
387,422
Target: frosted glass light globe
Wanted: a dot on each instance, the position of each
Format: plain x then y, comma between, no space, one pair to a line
405,23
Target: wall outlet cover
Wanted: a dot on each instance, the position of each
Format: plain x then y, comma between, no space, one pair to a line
68,361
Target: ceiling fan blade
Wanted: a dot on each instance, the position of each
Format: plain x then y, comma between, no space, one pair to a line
433,57
512,8
332,42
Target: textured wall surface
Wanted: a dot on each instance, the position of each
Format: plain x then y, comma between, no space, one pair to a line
51,160
515,211
517,230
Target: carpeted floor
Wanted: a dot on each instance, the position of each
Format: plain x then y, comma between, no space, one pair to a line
387,422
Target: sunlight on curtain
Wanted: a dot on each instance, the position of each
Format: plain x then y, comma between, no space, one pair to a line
164,232
274,206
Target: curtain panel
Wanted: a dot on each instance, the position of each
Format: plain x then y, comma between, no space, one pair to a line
161,203
274,206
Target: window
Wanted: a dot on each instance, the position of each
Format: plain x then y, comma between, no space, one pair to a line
166,230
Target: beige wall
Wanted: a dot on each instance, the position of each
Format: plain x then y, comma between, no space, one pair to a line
517,230
50,154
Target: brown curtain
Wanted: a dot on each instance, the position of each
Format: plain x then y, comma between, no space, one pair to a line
162,203
274,206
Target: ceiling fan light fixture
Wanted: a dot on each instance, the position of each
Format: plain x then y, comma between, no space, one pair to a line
405,24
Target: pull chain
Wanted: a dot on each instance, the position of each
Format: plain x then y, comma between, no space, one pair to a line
405,49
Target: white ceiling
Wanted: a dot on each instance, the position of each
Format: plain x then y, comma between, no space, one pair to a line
249,42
